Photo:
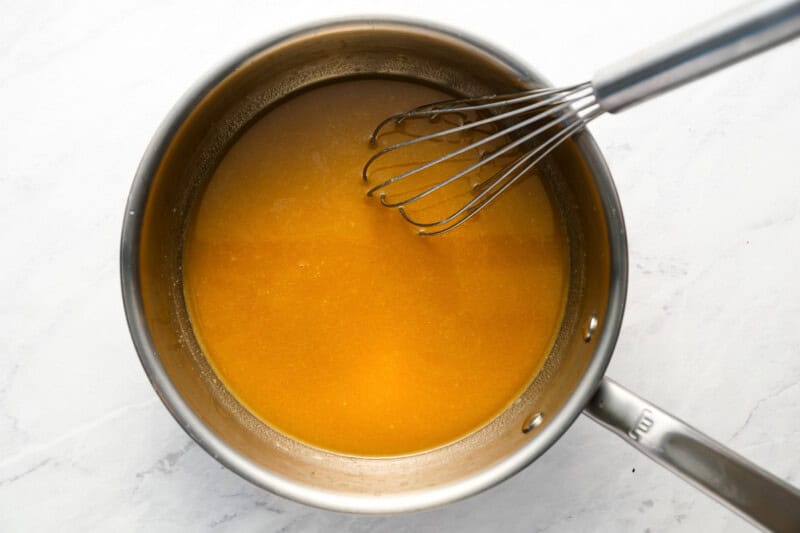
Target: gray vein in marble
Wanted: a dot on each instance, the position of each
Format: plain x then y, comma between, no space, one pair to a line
758,405
225,518
24,473
166,463
92,425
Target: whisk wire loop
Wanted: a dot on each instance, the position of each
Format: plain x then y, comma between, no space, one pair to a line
540,153
494,155
450,131
551,114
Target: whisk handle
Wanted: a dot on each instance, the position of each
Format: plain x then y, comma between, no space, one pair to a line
723,41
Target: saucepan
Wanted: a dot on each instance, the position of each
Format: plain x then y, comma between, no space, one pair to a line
181,158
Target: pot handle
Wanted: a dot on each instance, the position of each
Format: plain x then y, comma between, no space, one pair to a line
757,495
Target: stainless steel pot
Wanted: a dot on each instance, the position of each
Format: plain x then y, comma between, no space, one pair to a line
182,157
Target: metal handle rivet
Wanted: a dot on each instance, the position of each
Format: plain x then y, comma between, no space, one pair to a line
590,329
532,422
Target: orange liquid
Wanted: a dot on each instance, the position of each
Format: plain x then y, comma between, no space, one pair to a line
330,319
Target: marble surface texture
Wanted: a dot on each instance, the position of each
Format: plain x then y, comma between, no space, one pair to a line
709,181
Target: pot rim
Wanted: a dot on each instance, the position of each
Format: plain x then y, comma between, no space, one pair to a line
307,494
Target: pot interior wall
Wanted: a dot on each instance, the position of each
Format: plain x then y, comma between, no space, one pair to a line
242,95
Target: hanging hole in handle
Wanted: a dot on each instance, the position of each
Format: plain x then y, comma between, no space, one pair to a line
532,422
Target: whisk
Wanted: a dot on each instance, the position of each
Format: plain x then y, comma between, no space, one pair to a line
537,121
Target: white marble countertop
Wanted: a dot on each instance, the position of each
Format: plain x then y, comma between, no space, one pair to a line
708,178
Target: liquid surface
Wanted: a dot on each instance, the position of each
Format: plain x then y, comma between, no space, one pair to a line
330,319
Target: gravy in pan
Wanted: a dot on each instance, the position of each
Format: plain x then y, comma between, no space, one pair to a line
330,319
